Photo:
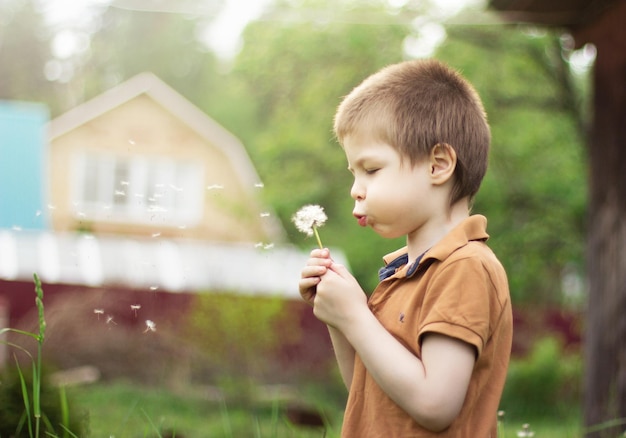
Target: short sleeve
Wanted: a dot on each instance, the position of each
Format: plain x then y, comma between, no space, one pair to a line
456,303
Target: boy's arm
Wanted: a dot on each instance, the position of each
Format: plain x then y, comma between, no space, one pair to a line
431,390
315,268
344,352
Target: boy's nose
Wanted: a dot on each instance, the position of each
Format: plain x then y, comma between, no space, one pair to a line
357,191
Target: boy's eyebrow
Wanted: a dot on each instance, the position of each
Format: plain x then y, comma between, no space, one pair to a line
359,161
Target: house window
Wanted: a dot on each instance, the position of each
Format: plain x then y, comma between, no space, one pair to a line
139,189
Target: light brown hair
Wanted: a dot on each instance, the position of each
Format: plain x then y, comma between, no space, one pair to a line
415,105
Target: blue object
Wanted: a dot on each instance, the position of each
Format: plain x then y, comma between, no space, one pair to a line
22,171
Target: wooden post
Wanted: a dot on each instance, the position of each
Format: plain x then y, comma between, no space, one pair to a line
605,336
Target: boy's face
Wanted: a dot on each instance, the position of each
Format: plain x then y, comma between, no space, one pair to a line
391,196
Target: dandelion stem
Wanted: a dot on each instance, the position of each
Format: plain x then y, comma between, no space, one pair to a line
317,236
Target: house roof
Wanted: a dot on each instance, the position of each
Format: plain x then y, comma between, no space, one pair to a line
150,85
151,264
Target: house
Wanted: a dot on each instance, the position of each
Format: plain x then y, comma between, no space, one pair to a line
141,191
22,155
141,160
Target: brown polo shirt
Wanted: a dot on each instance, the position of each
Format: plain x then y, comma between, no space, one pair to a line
459,289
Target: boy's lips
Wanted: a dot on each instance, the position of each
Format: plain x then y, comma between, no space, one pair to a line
361,219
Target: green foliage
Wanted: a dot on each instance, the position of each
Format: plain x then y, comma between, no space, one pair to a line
294,75
126,410
544,384
22,31
534,193
29,404
55,421
239,333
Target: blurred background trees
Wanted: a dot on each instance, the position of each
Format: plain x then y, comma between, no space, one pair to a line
278,94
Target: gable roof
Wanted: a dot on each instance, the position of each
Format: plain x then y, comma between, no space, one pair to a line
150,85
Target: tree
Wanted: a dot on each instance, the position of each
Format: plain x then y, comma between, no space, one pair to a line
23,31
290,77
533,194
130,42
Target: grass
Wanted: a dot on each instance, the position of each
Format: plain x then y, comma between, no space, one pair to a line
564,427
123,409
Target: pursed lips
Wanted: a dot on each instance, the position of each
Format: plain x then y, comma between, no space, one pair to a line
361,219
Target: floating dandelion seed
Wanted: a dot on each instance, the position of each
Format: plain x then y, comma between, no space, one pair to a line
265,214
135,307
110,320
156,234
525,432
259,185
98,312
308,219
150,326
215,186
154,287
268,246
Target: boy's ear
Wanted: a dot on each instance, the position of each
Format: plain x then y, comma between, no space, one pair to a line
442,160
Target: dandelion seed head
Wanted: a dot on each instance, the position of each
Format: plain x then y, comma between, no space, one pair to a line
308,217
150,326
98,311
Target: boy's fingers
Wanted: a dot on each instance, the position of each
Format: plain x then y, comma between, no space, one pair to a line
314,270
321,253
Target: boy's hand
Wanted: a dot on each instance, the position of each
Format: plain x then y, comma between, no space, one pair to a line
339,299
317,265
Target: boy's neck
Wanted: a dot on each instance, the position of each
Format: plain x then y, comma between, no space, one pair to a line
426,237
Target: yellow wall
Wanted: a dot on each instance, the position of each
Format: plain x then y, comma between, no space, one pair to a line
143,127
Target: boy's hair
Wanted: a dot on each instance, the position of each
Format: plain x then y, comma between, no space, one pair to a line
415,105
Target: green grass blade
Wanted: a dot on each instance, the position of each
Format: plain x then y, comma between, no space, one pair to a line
152,425
65,411
26,399
67,432
21,332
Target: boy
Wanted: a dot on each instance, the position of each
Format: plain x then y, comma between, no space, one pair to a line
427,354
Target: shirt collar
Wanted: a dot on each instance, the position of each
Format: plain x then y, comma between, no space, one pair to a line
472,228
